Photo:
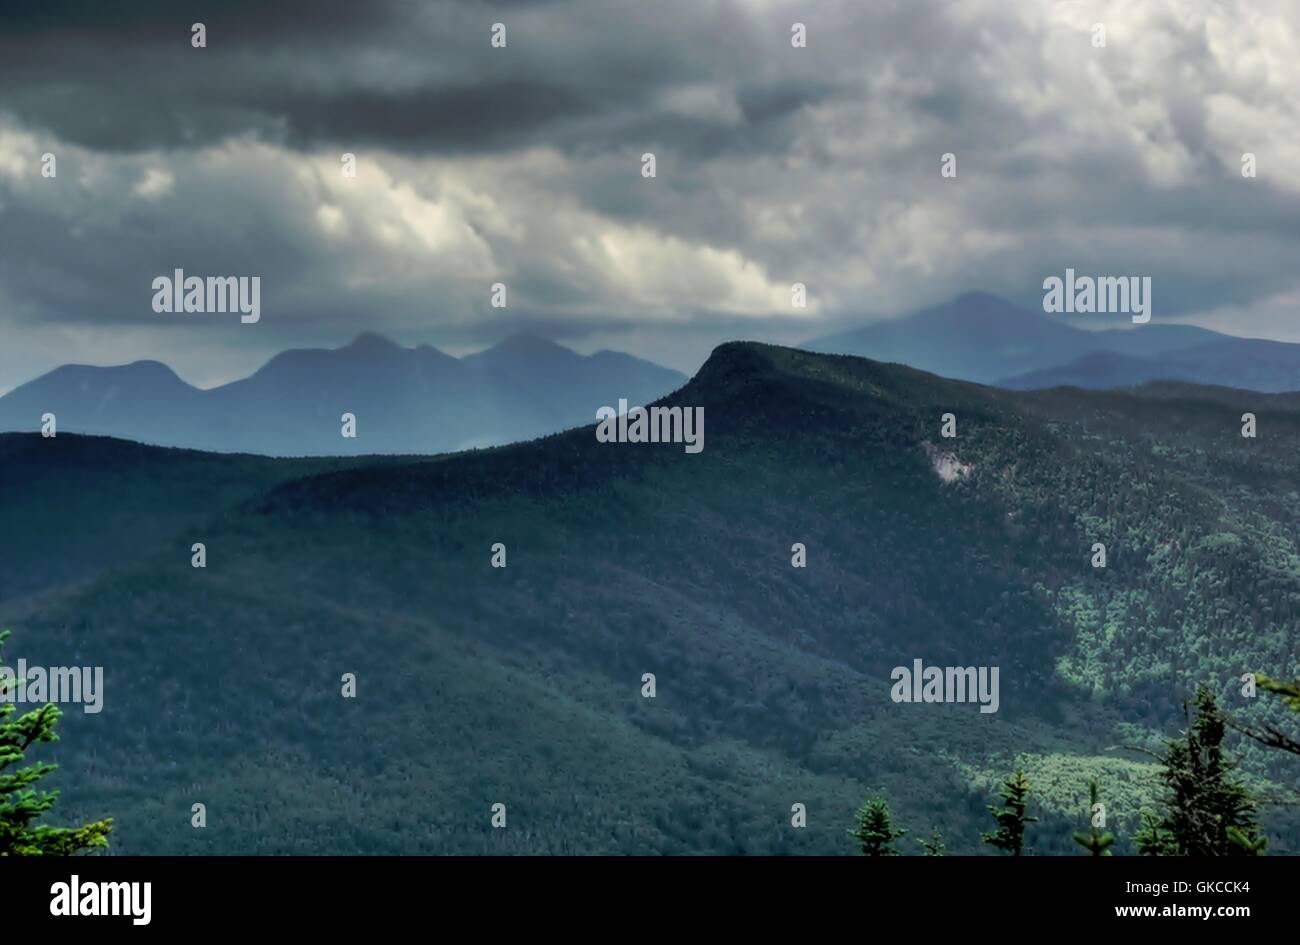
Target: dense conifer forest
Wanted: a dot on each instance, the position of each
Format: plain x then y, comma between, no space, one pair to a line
523,685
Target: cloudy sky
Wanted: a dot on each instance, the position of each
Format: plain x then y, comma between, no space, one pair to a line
522,165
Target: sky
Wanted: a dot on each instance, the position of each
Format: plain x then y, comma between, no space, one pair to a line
522,165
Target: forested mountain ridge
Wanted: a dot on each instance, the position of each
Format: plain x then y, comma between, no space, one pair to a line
522,685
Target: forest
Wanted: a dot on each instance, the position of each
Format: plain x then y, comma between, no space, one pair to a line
521,685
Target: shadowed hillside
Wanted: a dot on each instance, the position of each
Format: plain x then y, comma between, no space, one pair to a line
522,685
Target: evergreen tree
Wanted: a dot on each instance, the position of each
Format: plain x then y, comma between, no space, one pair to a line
1269,735
875,830
1011,818
1095,842
933,846
1208,811
20,804
1152,839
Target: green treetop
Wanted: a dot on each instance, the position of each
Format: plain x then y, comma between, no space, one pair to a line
21,805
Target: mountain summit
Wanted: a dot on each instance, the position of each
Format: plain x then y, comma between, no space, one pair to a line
984,338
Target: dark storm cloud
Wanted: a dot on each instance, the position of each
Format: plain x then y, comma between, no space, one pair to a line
498,114
142,22
403,76
125,77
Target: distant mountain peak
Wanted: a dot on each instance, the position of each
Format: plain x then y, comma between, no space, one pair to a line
992,309
372,341
144,366
528,342
141,372
982,300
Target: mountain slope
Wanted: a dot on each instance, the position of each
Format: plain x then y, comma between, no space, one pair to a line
1242,363
77,505
94,399
523,685
405,400
1101,370
976,337
983,338
563,383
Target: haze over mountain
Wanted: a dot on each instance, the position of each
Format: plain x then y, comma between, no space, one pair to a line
1243,363
984,338
406,400
523,684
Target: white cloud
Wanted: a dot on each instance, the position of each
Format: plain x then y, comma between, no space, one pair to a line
155,183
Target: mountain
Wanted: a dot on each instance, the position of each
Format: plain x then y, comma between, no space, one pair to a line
405,400
556,381
1242,363
1099,370
976,337
103,399
523,685
983,338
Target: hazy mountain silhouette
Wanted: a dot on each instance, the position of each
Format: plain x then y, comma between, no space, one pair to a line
1098,370
984,338
1243,363
556,381
406,400
974,337
103,399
